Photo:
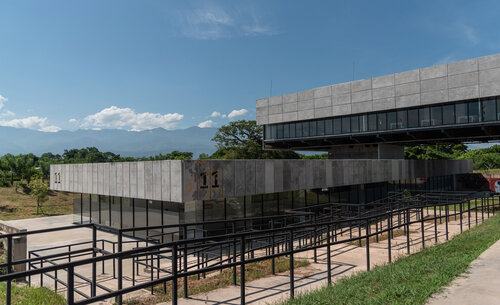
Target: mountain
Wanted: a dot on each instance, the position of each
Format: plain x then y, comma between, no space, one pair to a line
126,143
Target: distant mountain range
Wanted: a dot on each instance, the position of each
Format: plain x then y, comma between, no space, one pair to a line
126,143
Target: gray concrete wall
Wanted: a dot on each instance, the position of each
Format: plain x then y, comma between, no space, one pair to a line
473,78
183,181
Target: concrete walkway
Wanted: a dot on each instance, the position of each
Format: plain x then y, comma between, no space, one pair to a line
478,286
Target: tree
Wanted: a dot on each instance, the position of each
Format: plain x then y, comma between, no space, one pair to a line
39,192
435,152
243,140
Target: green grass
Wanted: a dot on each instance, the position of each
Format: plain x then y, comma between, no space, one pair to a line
31,296
487,171
412,279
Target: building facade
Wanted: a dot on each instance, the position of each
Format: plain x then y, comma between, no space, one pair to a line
364,125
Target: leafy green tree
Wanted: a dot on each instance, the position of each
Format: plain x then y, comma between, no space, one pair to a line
39,192
435,152
243,140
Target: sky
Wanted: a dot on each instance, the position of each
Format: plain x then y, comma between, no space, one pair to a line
138,65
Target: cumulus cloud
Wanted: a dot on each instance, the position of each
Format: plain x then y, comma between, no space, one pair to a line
211,21
126,118
206,124
7,113
73,121
237,113
32,122
215,114
2,101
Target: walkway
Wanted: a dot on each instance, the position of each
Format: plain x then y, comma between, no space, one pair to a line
478,286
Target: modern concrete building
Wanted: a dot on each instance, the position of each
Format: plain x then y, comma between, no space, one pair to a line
363,124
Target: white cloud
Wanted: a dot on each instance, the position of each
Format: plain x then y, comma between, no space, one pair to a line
2,101
213,21
224,115
73,121
114,117
32,122
206,124
236,113
470,34
7,113
215,114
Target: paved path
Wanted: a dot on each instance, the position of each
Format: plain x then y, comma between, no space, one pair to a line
478,286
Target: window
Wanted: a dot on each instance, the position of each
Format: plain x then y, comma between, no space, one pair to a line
448,114
311,198
253,205
436,116
320,128
391,120
489,110
381,121
292,130
372,122
274,132
270,204
280,131
402,117
267,130
346,124
424,117
355,123
312,129
461,114
305,129
474,112
413,118
363,123
498,109
329,127
286,131
337,126
298,130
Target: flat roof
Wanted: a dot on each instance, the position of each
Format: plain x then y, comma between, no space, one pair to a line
464,80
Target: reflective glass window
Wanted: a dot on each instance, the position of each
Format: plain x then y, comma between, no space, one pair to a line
305,129
448,114
77,208
267,130
85,208
474,112
424,116
461,114
127,216
320,128
489,108
402,117
413,118
363,123
298,130
312,129
299,199
234,207
253,205
382,121
292,130
355,123
372,122
323,196
105,211
274,132
285,201
270,204
391,120
213,209
337,126
280,131
94,200
140,216
346,124
436,116
311,198
286,131
329,127
498,109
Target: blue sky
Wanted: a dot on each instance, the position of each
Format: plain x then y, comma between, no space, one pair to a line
137,65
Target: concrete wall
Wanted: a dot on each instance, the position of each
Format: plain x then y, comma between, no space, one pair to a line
183,181
473,78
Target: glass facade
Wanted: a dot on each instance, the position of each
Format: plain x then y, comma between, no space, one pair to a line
121,212
487,110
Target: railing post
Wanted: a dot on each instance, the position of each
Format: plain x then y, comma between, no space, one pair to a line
242,270
328,256
422,226
407,229
120,266
468,211
292,284
461,225
185,263
389,236
315,242
174,274
94,264
273,263
435,225
446,218
71,285
8,292
367,245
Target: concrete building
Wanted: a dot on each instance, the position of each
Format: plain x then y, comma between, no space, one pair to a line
364,125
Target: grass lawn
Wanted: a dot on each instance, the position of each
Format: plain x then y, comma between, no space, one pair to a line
222,279
487,171
412,279
18,205
31,296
